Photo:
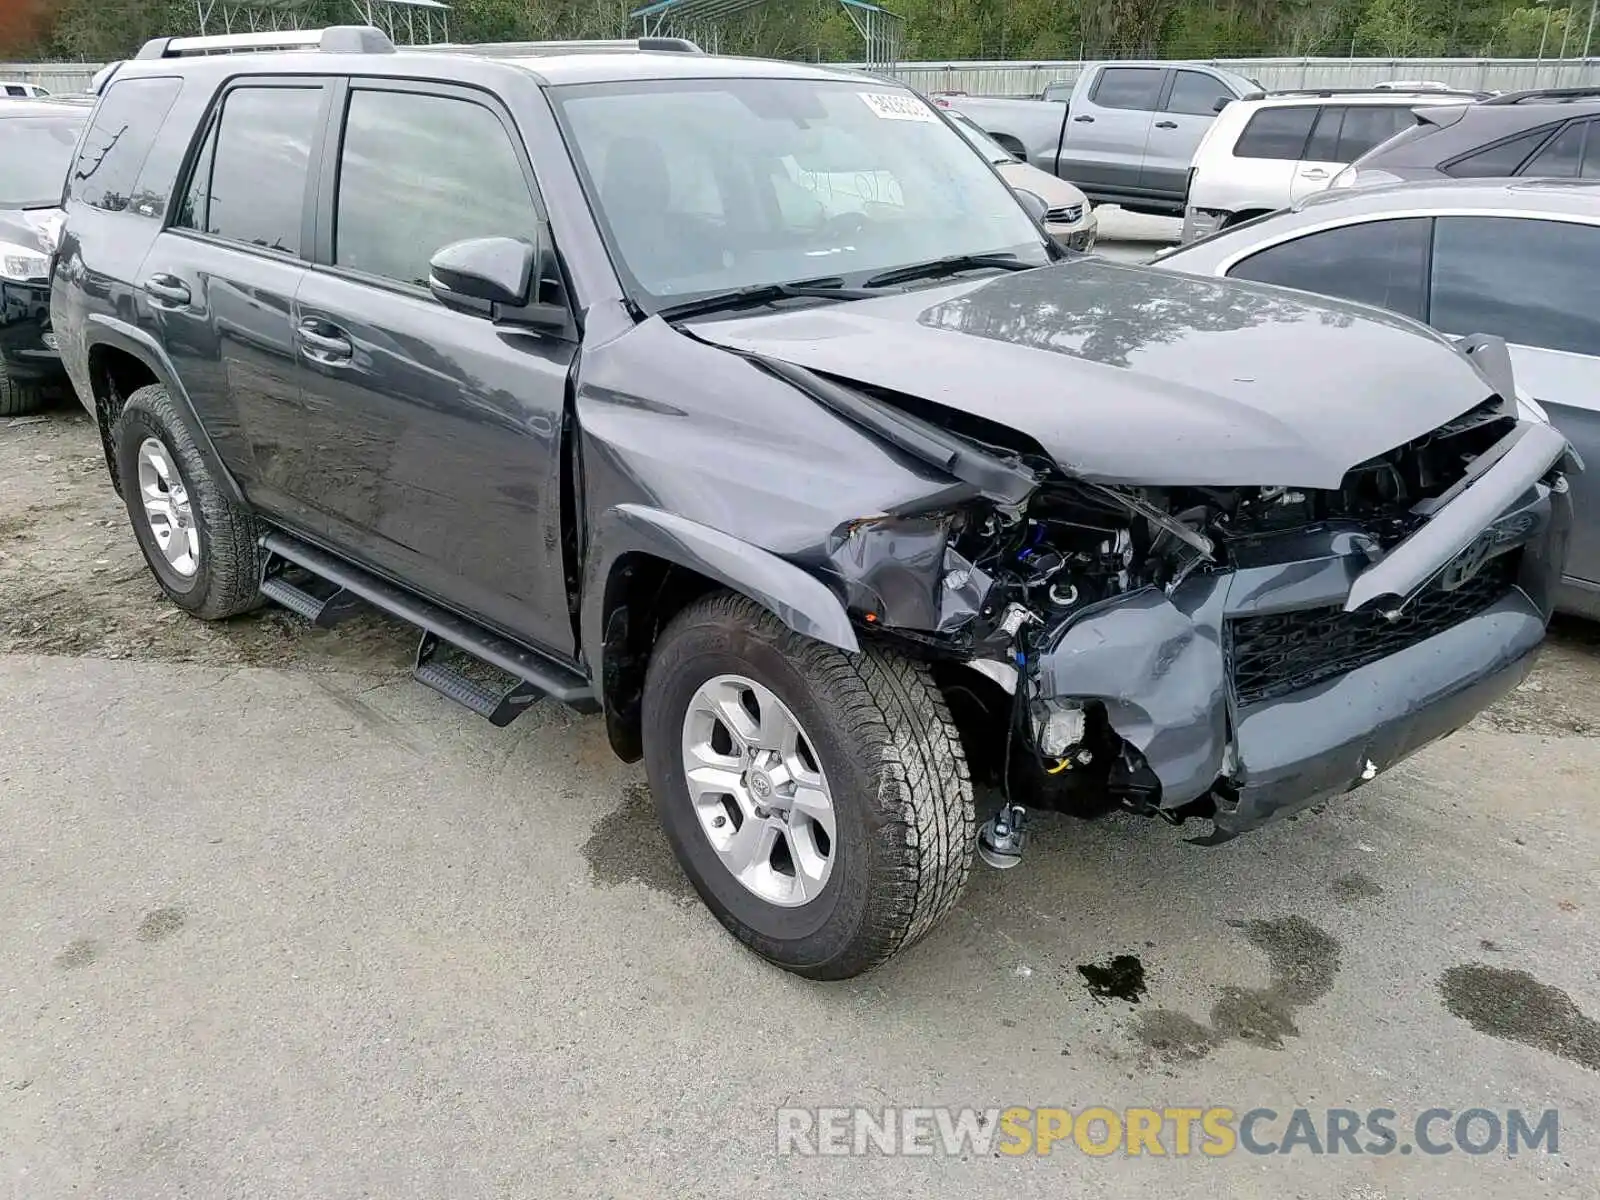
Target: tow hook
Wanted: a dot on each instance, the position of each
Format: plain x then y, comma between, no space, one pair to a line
1002,837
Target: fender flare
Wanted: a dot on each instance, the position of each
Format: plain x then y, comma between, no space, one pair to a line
801,601
108,331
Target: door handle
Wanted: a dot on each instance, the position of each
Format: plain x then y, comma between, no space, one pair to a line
1313,173
1086,120
168,289
1166,124
323,347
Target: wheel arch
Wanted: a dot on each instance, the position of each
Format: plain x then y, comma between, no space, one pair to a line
646,565
122,359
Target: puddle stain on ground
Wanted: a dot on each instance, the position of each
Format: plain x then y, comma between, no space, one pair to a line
159,923
79,952
1355,887
1120,979
1303,961
1516,1007
627,846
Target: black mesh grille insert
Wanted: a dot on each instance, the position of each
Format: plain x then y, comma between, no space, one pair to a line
1285,652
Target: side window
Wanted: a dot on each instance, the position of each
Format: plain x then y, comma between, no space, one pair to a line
249,182
1380,262
16,89
1324,143
1196,93
114,148
1057,91
1276,133
418,172
1366,125
1499,160
1128,87
1561,156
1528,281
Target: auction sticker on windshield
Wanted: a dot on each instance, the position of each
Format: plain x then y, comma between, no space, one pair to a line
893,106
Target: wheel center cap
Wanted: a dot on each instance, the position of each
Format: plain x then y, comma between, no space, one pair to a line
760,784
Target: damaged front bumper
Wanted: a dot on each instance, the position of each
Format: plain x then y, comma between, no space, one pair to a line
1315,664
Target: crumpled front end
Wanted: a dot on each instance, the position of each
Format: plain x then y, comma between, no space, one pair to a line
1234,654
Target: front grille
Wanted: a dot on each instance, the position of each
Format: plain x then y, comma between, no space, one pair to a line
1065,215
1285,652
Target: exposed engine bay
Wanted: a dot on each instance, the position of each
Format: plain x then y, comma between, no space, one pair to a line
990,591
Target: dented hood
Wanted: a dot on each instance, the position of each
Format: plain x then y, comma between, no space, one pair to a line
1127,375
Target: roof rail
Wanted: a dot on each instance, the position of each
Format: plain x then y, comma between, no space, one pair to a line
1547,95
673,45
336,39
1365,91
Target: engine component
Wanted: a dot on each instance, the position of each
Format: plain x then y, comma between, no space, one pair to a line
1058,726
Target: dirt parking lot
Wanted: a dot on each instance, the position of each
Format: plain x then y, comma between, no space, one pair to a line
276,921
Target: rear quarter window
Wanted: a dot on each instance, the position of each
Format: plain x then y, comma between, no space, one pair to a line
106,173
1499,160
1377,262
1277,133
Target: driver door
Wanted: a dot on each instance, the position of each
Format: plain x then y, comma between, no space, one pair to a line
430,442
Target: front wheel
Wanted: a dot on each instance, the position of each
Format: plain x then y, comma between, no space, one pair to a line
818,801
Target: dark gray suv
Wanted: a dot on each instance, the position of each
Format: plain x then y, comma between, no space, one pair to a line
1548,133
745,403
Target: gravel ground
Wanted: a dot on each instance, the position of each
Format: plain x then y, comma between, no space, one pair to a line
277,922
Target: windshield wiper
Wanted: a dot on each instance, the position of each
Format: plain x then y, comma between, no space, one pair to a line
948,266
761,293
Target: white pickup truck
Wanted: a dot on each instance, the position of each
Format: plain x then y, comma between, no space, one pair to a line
1126,134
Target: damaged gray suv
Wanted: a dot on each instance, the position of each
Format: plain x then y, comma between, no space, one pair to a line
743,403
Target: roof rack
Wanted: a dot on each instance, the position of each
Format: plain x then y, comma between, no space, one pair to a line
1548,95
670,45
1364,91
336,39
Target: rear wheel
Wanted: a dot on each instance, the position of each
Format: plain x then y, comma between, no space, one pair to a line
818,801
202,547
20,396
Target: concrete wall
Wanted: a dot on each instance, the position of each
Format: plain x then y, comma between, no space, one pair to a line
1028,79
1477,74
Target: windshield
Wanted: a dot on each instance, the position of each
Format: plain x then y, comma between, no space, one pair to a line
706,185
35,153
981,141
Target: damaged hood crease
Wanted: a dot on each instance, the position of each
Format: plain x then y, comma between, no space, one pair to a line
1129,376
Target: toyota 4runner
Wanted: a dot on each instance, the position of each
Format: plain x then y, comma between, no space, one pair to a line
743,403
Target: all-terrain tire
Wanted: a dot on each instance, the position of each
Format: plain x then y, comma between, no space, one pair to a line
19,396
883,737
228,577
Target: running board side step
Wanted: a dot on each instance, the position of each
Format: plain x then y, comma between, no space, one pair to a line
536,676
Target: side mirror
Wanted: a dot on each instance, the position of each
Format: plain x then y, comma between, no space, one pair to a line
498,278
1220,103
494,270
1033,202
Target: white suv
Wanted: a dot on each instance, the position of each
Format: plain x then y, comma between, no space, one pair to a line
1268,150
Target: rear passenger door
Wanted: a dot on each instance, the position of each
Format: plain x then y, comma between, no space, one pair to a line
1342,134
1108,130
1532,282
429,444
220,281
1188,106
